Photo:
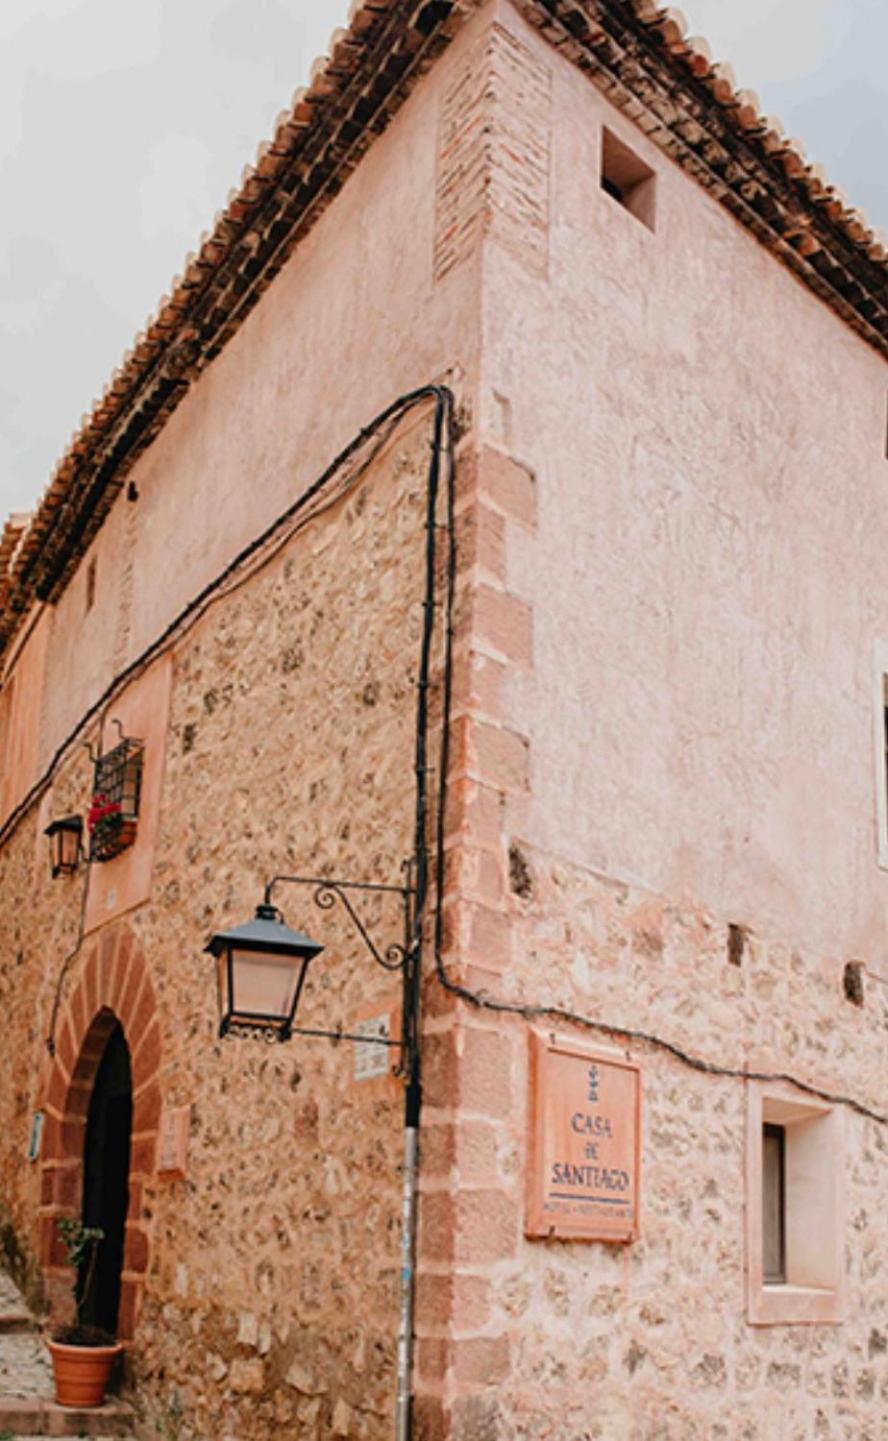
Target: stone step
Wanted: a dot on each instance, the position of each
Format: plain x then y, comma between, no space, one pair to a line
34,1416
25,1367
26,1384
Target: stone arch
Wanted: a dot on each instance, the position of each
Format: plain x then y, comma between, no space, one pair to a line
114,985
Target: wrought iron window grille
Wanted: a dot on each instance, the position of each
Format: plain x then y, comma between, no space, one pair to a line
117,792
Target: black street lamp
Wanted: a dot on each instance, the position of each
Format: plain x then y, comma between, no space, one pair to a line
261,966
65,846
260,971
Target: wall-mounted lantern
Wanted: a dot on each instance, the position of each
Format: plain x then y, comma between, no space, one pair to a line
260,971
65,845
261,966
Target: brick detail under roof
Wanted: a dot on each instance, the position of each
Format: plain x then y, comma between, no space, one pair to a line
493,175
665,81
637,53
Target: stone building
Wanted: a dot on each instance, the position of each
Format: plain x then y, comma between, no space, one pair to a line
534,378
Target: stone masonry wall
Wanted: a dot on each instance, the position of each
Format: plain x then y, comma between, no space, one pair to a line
39,925
266,1282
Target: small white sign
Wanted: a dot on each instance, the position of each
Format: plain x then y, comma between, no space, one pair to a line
172,1142
372,1059
36,1133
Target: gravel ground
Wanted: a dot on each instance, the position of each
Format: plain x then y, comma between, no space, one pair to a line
25,1368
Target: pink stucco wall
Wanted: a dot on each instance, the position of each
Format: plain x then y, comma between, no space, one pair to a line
708,573
354,319
20,708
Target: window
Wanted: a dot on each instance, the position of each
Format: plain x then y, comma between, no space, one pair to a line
794,1180
773,1203
627,179
880,718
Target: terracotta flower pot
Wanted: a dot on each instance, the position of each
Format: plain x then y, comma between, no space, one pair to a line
81,1372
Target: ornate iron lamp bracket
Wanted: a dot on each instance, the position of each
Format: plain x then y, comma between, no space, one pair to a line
328,891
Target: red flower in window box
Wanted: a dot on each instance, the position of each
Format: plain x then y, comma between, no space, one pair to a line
110,832
100,810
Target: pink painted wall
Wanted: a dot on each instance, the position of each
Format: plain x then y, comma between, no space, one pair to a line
708,572
87,645
142,709
354,319
20,706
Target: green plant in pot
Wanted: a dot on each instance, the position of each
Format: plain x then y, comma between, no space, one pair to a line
82,1355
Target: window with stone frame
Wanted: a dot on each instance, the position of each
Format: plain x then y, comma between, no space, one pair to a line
794,1207
773,1204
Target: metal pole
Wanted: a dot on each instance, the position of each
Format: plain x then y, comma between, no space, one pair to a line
403,1411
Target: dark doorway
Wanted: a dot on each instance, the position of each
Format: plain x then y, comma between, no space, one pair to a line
106,1156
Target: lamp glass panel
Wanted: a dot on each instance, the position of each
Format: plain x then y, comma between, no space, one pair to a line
222,983
64,849
264,985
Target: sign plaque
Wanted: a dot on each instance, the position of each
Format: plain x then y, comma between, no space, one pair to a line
172,1143
35,1137
371,1058
584,1142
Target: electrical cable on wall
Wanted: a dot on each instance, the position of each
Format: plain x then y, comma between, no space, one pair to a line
66,963
275,536
264,548
544,1011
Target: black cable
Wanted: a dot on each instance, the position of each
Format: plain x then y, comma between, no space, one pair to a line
196,607
443,426
413,976
63,969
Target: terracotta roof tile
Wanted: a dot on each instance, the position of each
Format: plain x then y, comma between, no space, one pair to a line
640,53
698,56
671,25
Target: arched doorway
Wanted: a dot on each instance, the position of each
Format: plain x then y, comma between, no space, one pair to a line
114,990
106,1164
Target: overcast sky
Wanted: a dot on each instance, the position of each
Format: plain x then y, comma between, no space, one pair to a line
124,123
